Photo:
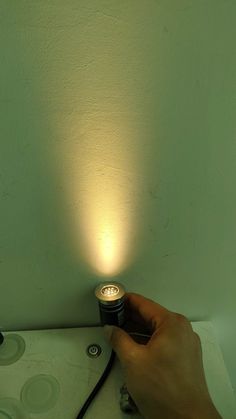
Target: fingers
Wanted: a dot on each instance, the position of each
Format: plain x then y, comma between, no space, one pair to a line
121,342
145,311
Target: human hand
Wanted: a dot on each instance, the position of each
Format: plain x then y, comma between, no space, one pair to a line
165,377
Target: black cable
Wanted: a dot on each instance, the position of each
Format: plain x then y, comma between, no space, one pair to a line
97,387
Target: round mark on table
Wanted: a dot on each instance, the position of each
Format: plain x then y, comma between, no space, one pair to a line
40,393
11,349
12,409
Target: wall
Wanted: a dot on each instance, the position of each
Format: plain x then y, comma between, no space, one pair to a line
117,158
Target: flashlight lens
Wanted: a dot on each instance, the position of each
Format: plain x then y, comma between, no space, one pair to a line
110,291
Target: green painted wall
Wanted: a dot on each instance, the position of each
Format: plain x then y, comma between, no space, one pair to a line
117,157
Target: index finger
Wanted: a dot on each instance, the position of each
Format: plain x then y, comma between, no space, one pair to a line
145,310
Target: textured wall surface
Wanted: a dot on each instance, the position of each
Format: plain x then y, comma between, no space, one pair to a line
117,158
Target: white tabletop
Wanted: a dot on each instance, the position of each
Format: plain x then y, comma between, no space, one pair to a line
62,354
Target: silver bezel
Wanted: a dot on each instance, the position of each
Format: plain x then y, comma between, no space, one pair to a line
106,299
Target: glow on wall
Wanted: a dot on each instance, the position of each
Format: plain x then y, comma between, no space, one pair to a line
101,181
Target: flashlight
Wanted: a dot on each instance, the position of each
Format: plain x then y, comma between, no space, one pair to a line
110,296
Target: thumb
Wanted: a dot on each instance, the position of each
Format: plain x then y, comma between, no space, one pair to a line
121,342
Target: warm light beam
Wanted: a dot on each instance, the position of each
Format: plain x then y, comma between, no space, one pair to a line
102,187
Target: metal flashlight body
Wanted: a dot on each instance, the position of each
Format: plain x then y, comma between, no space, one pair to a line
110,296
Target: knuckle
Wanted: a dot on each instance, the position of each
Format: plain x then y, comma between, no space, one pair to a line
197,338
181,323
181,319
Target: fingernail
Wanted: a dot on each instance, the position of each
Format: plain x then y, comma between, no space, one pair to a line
108,329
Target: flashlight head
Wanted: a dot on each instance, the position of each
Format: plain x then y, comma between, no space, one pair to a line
110,296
